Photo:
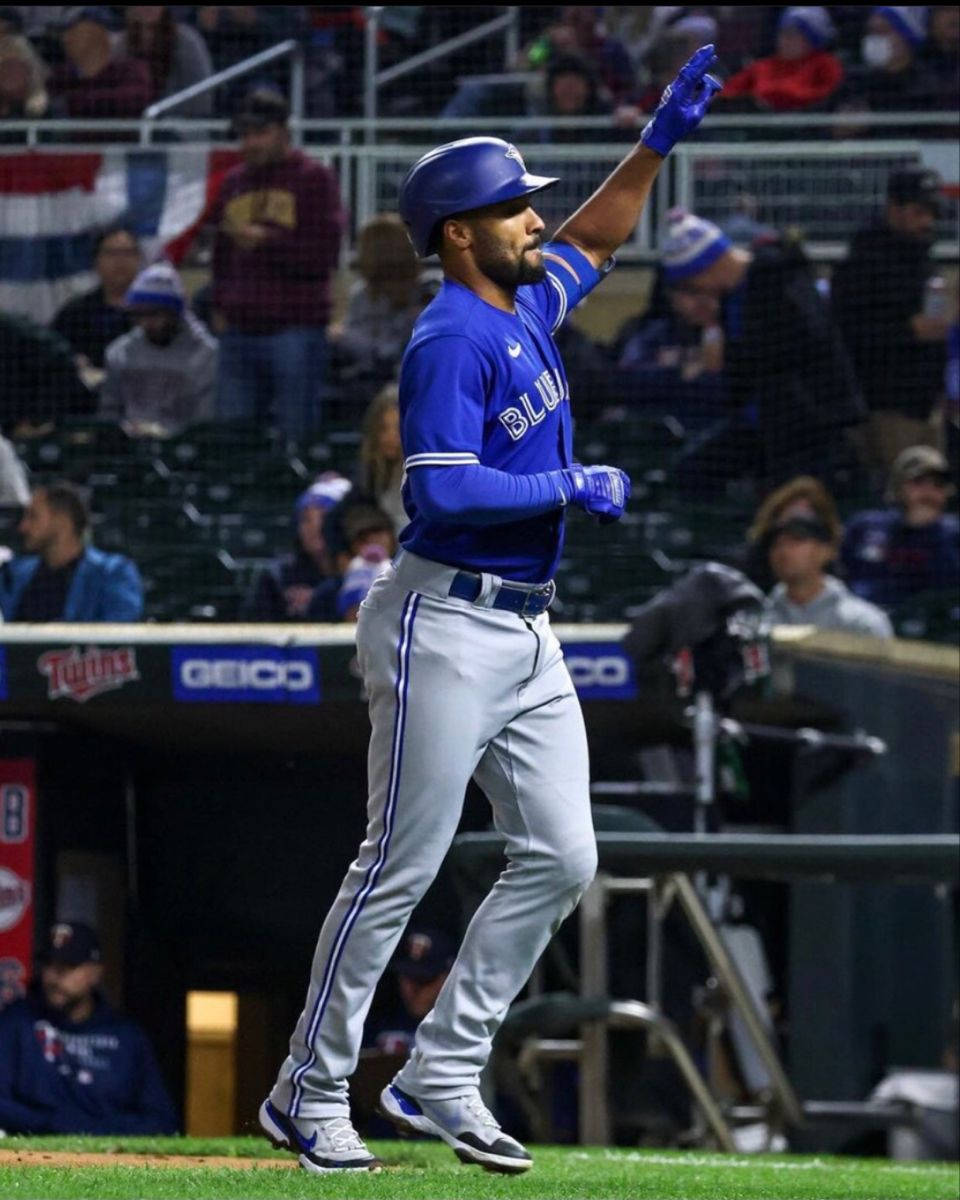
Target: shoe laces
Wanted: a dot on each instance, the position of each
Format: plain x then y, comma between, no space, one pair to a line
342,1135
476,1107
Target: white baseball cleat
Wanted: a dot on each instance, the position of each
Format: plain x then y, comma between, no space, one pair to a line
464,1123
323,1144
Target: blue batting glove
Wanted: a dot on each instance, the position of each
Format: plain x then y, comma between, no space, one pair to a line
683,104
600,491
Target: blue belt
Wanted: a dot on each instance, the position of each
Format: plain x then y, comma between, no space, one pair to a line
527,602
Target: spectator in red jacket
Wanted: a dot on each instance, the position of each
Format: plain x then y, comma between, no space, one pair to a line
278,226
801,74
93,83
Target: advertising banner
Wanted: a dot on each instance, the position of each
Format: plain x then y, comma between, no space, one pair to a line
17,834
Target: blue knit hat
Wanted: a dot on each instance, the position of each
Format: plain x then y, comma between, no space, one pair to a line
325,493
814,23
910,21
157,286
690,246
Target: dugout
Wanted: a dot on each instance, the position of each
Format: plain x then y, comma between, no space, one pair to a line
206,827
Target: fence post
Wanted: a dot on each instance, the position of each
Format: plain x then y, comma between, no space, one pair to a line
366,168
511,44
297,91
370,66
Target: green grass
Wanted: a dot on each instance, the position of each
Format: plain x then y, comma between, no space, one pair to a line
420,1170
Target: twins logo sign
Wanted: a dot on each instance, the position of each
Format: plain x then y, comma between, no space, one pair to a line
600,670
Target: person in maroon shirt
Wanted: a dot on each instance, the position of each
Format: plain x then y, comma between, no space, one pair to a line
91,82
278,221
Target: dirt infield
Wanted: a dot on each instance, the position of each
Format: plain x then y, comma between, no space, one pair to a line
73,1158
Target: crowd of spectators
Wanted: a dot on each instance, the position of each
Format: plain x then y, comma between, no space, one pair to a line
113,61
765,370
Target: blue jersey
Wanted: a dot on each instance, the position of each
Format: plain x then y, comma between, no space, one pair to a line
480,385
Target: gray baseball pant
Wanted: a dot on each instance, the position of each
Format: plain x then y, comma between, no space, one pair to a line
457,689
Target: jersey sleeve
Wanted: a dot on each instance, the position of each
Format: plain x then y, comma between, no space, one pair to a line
570,277
443,387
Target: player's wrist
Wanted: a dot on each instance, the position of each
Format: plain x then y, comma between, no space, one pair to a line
656,140
568,482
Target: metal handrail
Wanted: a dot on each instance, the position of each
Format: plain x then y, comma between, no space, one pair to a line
467,38
288,49
429,125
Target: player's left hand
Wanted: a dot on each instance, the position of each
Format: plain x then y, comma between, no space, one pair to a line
683,104
600,491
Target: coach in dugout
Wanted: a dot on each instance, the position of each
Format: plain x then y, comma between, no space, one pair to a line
278,225
68,1062
61,578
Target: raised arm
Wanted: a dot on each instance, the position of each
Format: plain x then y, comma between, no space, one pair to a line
608,218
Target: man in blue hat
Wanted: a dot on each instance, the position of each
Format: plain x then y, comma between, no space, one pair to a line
464,674
68,1062
162,375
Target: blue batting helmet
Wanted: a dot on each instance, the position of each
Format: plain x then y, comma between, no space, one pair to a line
459,176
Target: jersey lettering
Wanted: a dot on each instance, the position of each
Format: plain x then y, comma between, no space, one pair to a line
514,422
536,415
551,391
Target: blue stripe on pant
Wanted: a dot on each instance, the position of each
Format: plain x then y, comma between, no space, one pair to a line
373,872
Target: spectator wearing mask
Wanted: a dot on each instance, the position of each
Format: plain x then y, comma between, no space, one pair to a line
161,376
788,372
61,578
893,75
880,298
801,74
92,321
379,477
384,303
92,82
278,225
69,1063
39,384
284,589
175,54
913,546
371,543
673,362
798,532
23,79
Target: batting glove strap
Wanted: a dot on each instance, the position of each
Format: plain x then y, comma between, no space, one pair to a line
683,104
601,491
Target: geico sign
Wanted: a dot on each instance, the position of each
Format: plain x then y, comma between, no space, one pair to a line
258,674
610,670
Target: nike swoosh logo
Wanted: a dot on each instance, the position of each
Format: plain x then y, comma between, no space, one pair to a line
514,351
304,1144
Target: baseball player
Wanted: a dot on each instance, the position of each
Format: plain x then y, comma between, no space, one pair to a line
464,675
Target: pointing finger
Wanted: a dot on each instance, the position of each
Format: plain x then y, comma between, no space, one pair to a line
698,64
